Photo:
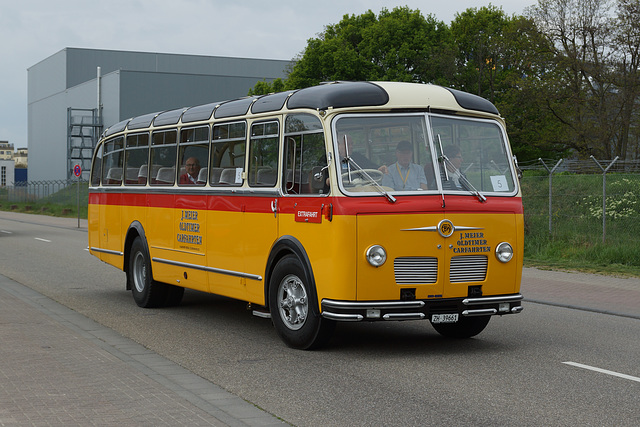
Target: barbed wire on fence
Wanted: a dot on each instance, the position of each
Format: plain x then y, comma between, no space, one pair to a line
584,166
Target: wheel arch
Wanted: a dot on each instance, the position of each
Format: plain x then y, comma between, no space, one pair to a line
135,230
289,245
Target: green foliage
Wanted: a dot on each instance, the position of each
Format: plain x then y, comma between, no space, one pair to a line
397,45
482,62
264,87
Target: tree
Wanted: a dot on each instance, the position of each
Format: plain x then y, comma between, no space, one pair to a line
595,84
264,87
397,45
523,99
626,42
482,47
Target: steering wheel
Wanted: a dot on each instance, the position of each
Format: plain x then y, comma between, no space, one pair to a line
358,176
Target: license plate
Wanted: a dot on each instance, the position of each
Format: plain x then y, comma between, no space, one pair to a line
444,318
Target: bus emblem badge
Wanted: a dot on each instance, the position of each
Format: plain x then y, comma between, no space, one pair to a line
446,228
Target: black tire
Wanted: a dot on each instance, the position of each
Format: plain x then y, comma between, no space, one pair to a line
466,327
291,302
147,293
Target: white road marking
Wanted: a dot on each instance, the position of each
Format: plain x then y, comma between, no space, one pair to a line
603,371
6,232
42,240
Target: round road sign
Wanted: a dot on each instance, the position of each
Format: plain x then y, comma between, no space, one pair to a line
77,170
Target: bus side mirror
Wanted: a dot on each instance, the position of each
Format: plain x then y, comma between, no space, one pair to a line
317,183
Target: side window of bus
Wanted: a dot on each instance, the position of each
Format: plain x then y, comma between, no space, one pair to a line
162,169
305,155
227,154
136,159
194,155
112,161
263,154
96,169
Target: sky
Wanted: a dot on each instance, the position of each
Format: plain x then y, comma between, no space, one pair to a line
32,30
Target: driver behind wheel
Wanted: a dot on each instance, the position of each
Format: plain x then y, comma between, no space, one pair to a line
404,175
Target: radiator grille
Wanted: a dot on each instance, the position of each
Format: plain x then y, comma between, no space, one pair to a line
468,268
415,270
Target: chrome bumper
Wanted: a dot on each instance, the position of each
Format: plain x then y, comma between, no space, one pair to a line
356,311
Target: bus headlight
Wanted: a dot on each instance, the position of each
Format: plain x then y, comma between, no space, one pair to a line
504,252
376,255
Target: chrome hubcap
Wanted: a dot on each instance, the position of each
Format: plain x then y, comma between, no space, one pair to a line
139,272
293,302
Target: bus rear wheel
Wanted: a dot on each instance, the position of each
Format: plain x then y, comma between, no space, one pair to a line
466,327
148,293
291,303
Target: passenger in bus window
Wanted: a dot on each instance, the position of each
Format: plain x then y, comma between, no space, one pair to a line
453,154
404,175
192,167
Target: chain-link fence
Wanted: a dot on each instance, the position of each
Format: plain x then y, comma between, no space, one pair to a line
582,202
67,197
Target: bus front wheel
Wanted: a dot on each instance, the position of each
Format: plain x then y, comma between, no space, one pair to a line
291,302
466,327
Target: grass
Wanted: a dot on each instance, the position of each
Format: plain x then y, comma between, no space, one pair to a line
62,203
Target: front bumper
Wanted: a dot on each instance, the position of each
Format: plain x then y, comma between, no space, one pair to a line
355,311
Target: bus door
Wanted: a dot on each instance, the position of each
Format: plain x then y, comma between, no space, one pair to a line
305,213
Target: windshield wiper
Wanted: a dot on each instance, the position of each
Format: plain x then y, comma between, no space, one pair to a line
469,187
464,182
363,172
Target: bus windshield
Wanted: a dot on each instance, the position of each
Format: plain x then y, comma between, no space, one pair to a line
403,154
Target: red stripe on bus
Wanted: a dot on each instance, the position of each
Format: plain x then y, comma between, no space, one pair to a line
289,204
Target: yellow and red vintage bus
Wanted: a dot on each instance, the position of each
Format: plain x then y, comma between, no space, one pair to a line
348,201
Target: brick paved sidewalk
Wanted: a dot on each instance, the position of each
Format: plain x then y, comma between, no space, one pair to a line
59,368
605,294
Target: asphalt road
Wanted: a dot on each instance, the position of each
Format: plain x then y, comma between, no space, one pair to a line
404,373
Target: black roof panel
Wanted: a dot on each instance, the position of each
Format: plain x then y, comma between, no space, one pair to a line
169,117
116,128
473,102
141,121
272,102
237,107
201,112
339,94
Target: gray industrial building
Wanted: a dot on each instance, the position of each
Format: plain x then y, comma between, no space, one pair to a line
66,89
